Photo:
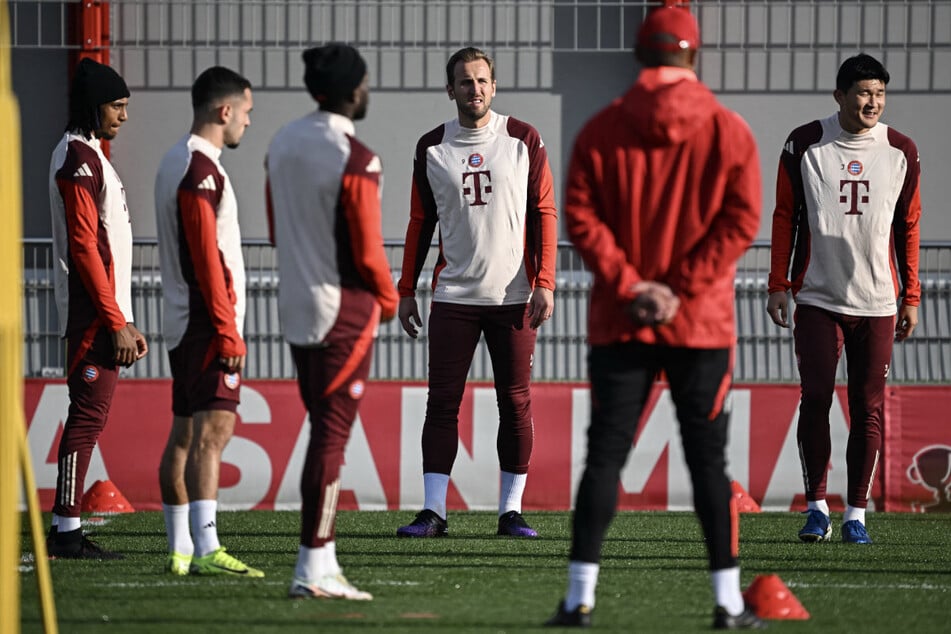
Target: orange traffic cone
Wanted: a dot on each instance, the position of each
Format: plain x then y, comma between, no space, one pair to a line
771,599
744,503
104,497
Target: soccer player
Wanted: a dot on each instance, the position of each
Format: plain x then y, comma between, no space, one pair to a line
92,248
323,194
203,301
484,179
663,197
846,220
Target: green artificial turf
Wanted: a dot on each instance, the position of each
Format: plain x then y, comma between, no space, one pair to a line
653,577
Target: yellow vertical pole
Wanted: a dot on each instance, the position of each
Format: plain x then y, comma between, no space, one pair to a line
11,339
43,579
14,452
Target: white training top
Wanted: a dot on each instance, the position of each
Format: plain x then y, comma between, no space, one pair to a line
324,189
94,222
850,269
196,216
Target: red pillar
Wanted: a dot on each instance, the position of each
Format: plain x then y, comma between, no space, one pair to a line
90,20
89,26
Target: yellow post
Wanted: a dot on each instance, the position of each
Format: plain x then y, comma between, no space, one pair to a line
11,338
13,447
43,579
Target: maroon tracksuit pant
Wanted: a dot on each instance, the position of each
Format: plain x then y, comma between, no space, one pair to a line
454,332
332,379
820,336
92,375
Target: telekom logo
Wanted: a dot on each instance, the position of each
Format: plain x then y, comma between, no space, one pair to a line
852,196
479,187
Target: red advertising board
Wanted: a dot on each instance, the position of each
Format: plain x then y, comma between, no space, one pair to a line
262,462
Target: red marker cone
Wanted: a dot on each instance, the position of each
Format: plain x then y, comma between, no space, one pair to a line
104,497
744,503
769,597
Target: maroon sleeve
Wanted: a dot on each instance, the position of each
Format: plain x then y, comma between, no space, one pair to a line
422,217
80,183
199,195
541,226
790,230
906,226
360,199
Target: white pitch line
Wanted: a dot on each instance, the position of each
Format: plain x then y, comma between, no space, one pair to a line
224,581
191,582
874,586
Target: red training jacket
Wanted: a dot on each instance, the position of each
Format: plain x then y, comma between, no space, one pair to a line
664,185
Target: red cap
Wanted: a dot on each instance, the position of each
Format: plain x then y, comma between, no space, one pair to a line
673,21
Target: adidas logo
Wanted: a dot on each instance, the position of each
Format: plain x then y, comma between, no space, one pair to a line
374,166
208,183
210,524
83,171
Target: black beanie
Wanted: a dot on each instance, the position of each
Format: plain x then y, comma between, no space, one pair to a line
95,84
332,71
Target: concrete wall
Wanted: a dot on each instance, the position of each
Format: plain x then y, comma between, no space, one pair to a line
583,84
43,99
557,64
394,123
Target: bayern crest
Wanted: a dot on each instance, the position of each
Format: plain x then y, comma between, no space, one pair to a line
232,380
356,389
90,373
855,168
476,160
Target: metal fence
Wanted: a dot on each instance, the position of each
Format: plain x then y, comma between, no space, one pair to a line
749,45
764,351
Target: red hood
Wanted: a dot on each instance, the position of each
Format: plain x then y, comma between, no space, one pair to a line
669,104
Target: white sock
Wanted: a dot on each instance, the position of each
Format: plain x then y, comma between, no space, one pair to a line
329,559
177,530
726,589
582,580
66,524
819,505
314,563
436,485
510,492
854,513
202,517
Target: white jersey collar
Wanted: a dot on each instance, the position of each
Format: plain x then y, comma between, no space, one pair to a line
337,122
204,146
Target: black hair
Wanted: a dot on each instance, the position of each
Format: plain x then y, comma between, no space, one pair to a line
214,84
858,68
83,119
332,72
